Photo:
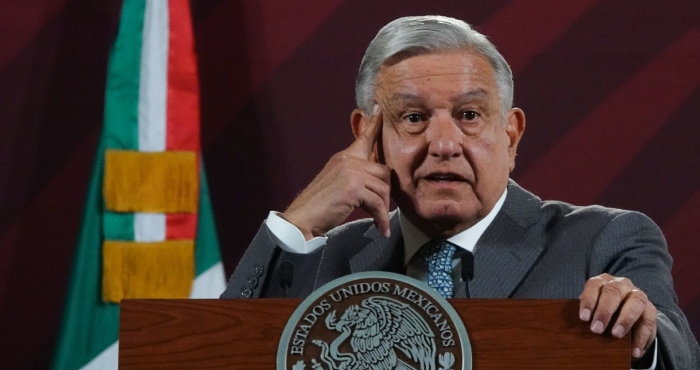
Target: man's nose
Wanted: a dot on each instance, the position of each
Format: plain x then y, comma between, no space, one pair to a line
444,139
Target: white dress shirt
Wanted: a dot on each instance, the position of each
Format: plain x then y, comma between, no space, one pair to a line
290,238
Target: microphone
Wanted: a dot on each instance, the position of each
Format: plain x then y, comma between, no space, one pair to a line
286,275
467,262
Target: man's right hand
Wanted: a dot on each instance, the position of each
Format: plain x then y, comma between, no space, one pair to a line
352,178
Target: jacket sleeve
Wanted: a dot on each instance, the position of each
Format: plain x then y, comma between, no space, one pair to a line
258,274
633,246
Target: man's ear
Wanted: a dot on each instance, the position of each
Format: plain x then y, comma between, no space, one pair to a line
358,121
515,126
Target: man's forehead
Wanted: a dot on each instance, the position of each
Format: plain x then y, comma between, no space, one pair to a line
467,75
447,62
409,97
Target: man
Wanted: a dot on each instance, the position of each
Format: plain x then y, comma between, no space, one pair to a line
436,131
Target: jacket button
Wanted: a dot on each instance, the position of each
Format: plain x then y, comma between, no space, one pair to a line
252,281
246,293
258,270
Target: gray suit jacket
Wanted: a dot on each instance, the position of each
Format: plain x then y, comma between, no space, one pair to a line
532,249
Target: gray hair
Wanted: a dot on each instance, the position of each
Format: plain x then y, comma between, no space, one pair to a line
411,36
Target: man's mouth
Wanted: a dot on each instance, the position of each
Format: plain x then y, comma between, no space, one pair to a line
445,177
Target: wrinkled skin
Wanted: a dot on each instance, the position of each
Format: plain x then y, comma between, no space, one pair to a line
448,145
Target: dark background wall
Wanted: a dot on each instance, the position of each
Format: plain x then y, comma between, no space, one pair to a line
611,90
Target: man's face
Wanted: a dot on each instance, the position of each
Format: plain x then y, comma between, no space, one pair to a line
449,147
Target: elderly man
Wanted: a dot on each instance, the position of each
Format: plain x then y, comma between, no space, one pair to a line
436,131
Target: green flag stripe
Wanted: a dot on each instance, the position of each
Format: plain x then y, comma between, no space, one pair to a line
206,244
122,101
118,226
123,72
89,325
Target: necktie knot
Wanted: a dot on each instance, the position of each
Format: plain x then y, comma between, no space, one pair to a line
438,257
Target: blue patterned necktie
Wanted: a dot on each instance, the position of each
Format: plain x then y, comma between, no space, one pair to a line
438,256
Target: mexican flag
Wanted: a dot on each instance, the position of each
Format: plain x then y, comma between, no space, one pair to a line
148,229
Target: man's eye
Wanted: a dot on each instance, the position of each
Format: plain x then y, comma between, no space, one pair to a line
413,117
470,115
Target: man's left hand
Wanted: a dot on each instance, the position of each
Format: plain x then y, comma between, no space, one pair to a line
604,295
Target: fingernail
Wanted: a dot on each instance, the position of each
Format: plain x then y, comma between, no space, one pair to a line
585,314
637,353
618,331
375,109
387,233
597,327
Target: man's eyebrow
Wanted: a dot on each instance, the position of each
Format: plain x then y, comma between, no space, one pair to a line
478,94
406,98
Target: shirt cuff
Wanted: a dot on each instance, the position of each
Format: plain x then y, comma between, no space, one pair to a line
289,237
656,352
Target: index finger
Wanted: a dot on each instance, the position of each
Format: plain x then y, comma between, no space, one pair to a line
363,147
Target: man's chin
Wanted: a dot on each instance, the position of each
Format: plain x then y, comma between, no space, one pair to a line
445,219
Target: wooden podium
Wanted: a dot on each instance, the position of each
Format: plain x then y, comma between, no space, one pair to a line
244,334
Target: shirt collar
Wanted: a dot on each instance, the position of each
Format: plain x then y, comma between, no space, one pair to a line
413,238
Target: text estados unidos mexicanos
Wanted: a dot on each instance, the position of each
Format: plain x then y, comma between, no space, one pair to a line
302,331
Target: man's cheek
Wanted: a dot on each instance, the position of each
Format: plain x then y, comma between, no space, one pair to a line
401,148
476,151
496,139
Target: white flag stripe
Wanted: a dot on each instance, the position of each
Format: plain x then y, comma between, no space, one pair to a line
154,77
106,360
209,284
149,227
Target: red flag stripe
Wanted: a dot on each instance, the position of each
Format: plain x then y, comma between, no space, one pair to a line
183,132
183,88
180,226
593,152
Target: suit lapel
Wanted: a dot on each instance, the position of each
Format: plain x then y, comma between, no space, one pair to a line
509,247
505,253
381,254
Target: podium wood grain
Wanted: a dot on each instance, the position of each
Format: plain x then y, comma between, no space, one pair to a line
244,334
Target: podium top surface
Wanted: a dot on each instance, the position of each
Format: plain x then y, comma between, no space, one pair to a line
244,334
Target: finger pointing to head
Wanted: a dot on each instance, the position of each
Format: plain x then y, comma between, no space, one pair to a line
363,147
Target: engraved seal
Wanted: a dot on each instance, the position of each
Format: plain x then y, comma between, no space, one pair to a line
374,320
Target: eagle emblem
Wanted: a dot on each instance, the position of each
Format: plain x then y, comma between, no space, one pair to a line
376,329
374,320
